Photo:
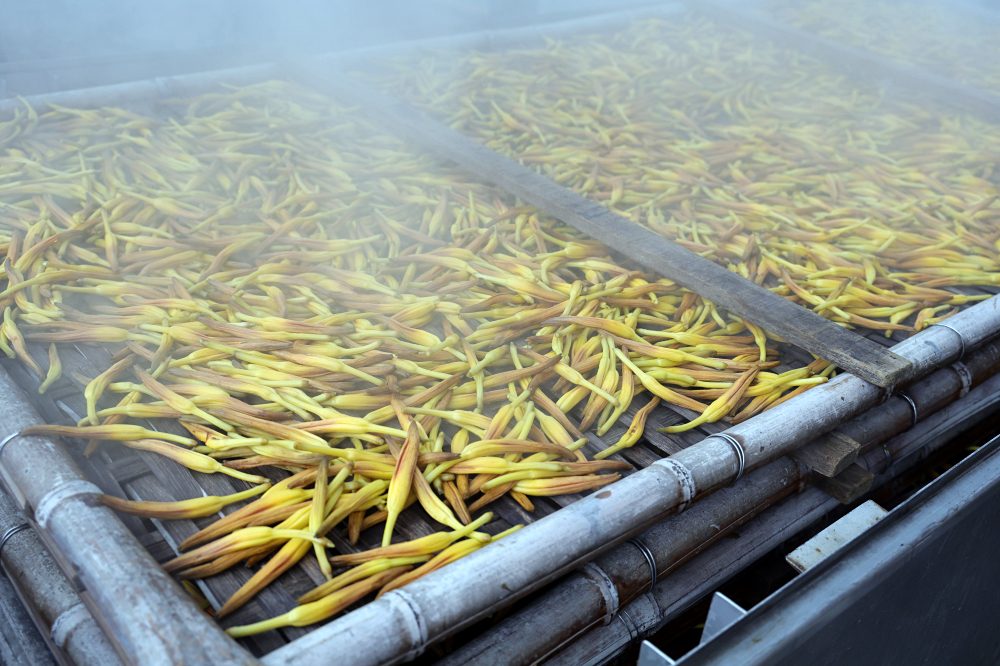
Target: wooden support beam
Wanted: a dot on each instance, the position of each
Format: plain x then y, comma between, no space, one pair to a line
849,485
830,455
779,316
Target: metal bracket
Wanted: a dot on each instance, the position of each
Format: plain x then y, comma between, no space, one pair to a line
11,532
722,612
650,560
741,456
914,412
8,439
961,338
650,655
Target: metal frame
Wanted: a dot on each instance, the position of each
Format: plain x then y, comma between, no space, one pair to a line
929,564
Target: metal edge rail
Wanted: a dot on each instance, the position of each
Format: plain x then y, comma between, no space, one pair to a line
147,616
603,587
862,64
141,91
454,597
777,315
507,37
474,38
807,620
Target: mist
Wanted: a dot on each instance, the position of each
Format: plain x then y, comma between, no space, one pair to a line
59,44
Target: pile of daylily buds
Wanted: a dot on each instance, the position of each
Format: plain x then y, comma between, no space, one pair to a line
952,40
868,210
350,330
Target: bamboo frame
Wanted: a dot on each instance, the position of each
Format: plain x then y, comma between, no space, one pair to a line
66,625
147,616
575,601
668,599
441,603
71,524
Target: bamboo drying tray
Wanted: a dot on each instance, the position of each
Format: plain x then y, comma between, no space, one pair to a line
140,475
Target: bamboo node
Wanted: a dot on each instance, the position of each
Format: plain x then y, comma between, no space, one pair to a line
630,625
413,622
684,479
58,495
67,622
8,439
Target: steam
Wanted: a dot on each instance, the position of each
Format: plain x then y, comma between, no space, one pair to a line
48,45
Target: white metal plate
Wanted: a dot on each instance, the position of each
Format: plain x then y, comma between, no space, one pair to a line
834,537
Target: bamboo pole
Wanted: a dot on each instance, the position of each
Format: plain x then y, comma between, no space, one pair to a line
706,572
145,613
68,625
598,591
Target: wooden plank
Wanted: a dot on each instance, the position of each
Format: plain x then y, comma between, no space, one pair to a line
646,248
830,455
849,485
